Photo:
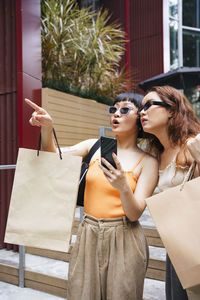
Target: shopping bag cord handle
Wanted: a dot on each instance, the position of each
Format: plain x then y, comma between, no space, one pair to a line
189,175
40,140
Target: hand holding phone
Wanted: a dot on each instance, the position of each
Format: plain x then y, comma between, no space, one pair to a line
108,146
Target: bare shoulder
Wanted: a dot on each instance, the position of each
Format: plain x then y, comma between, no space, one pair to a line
90,143
150,161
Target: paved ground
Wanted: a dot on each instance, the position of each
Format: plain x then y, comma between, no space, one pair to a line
153,289
12,292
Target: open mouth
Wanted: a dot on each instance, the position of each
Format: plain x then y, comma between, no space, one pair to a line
115,122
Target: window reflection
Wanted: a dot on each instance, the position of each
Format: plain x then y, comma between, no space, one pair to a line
190,28
193,95
191,48
191,13
190,37
173,8
174,44
94,4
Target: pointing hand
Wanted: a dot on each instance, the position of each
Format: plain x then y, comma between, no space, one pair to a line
40,116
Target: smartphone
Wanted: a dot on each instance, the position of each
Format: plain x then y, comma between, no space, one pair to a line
108,146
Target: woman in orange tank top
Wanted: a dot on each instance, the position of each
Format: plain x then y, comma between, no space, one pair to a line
110,256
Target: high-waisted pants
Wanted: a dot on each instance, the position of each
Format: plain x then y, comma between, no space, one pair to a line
108,261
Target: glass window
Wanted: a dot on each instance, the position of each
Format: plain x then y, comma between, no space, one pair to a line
173,8
93,3
193,94
191,48
173,44
191,13
173,28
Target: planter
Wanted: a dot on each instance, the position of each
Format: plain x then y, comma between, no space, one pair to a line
75,119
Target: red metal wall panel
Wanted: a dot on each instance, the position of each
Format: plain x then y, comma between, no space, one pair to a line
117,12
8,154
20,76
28,35
145,35
116,9
8,107
146,38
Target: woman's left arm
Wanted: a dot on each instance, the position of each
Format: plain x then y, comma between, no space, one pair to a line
193,145
133,203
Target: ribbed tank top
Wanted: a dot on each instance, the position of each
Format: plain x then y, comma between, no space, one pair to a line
101,199
171,176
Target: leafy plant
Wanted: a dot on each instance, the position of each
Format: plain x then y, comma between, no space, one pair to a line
81,51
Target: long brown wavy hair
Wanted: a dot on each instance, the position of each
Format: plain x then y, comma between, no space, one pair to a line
183,122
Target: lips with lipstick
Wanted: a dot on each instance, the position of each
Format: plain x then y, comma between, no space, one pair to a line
115,123
143,120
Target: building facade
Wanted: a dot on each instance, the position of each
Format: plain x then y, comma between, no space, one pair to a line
162,34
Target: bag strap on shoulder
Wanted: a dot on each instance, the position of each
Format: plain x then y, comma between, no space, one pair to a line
92,151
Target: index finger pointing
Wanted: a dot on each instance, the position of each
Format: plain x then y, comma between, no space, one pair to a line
32,104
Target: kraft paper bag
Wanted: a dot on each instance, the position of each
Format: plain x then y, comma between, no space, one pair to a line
43,200
176,214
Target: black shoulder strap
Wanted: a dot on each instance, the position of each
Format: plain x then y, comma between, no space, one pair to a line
92,151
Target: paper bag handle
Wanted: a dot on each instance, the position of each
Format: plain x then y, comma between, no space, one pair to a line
189,174
40,140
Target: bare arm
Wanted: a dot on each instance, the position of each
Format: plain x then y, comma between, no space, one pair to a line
133,203
41,118
193,145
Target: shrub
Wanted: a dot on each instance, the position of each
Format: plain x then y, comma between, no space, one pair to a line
81,51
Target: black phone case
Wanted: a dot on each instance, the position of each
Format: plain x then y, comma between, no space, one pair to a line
108,146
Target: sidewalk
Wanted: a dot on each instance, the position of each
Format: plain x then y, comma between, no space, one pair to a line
12,292
153,291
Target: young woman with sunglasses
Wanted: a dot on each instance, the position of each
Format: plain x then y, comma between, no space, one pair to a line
167,115
110,256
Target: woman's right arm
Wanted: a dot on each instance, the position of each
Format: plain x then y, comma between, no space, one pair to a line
193,145
41,118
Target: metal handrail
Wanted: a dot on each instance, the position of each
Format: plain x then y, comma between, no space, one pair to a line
21,248
103,129
7,167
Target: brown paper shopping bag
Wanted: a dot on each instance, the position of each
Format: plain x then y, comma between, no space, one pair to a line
43,200
176,213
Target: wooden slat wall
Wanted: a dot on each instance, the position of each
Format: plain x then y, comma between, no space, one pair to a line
75,119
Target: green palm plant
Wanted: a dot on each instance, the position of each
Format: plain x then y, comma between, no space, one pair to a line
81,51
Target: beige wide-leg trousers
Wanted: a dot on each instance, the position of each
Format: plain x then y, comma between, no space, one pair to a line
108,261
194,293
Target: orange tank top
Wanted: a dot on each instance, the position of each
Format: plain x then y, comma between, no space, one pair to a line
101,199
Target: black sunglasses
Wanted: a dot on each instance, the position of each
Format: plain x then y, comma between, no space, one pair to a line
123,110
152,102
